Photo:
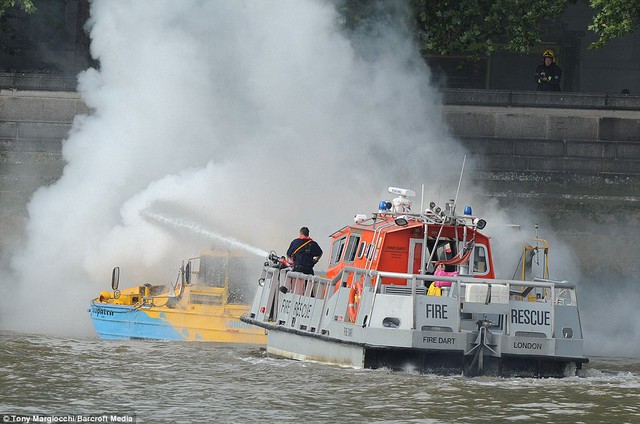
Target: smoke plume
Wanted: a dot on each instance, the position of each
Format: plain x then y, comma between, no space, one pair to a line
241,119
255,117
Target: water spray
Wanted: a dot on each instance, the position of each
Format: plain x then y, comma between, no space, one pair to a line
201,231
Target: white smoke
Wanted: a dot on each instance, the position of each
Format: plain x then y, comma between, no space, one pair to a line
251,119
255,117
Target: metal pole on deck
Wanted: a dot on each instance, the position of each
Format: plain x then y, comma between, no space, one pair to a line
455,201
413,297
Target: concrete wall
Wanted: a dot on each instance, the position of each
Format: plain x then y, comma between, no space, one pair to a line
570,158
573,157
32,127
525,142
550,144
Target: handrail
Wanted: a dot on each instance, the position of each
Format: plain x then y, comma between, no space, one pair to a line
373,279
537,282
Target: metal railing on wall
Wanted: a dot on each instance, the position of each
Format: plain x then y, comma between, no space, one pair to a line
34,80
563,100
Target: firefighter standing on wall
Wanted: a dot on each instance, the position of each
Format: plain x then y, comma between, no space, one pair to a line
548,74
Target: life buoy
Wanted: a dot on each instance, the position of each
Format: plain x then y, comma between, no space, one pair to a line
354,300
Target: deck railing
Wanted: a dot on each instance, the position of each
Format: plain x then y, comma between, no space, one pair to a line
551,292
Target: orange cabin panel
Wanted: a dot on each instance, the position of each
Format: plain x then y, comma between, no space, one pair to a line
394,246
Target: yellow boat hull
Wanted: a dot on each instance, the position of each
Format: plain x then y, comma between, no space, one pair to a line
197,315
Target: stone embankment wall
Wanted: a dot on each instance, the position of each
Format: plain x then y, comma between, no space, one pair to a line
32,127
555,144
574,156
550,145
570,157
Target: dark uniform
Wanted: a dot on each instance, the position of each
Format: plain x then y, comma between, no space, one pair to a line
302,250
548,76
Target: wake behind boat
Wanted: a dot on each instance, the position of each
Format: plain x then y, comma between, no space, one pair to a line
382,306
204,304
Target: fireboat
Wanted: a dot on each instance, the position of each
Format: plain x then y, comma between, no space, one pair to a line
383,304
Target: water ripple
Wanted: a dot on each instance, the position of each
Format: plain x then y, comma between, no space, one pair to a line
162,382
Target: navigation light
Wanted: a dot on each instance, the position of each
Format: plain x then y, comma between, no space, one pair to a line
401,221
359,218
479,223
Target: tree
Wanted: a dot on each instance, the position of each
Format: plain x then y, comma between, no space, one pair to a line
471,27
26,5
8,31
613,19
477,26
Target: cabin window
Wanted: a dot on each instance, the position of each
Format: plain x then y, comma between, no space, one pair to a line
227,271
480,265
336,250
446,250
213,270
369,251
352,246
361,249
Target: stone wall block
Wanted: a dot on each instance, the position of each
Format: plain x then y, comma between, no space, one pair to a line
520,126
547,164
609,150
572,128
585,149
44,130
8,129
619,129
628,167
471,124
51,145
549,148
488,146
627,151
505,163
583,166
31,109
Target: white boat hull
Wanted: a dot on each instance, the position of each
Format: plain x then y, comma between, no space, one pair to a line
310,349
402,328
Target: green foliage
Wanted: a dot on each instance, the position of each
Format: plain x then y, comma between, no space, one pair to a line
8,30
613,19
470,27
477,26
26,5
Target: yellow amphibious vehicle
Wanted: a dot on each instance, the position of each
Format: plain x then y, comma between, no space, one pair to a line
204,304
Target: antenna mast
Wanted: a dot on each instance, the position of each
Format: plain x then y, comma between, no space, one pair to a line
455,201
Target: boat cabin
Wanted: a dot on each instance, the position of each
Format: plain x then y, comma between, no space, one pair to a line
392,240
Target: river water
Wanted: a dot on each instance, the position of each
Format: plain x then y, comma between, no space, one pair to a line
181,382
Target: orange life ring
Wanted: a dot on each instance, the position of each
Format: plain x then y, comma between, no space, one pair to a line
354,300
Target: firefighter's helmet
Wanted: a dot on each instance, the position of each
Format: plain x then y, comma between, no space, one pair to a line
548,53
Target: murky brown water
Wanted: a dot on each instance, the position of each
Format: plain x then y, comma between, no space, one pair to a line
167,382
